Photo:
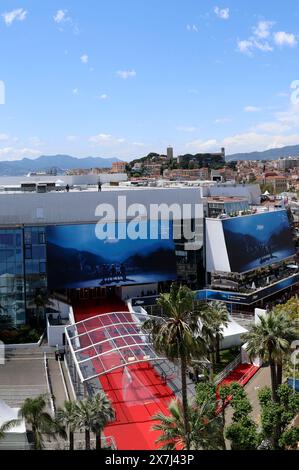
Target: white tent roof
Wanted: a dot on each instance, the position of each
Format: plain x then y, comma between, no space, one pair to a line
233,328
7,414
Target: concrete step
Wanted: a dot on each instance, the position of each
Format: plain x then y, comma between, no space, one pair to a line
15,395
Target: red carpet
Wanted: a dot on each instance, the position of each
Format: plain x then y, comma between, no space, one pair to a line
136,394
241,374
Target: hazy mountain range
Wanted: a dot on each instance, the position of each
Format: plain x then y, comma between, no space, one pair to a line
46,162
66,162
271,154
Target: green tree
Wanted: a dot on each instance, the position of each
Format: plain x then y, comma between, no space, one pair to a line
271,339
224,393
67,417
85,418
33,411
204,431
177,335
290,309
242,432
206,395
102,413
214,318
276,418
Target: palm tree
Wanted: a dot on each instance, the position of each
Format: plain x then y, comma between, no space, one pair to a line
204,433
177,335
85,418
67,417
214,318
102,414
271,339
33,411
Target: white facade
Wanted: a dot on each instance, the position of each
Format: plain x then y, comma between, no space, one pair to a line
80,206
7,181
252,192
216,252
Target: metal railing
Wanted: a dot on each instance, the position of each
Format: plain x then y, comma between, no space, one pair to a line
224,373
49,385
248,374
107,442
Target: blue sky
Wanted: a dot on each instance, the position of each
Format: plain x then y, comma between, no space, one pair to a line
125,77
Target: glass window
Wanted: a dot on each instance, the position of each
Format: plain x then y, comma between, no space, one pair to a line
39,252
27,237
42,238
28,252
35,238
32,267
42,267
18,239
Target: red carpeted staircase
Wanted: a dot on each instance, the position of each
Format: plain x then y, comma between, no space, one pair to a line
132,429
241,374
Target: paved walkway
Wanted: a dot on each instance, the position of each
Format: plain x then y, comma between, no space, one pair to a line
260,380
57,382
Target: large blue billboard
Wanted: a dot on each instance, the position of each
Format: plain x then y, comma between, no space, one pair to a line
256,241
77,258
248,299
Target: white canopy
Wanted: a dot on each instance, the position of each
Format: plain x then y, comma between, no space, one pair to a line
232,334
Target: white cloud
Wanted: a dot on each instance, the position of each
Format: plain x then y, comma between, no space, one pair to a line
272,127
247,46
36,141
125,74
103,96
15,15
223,120
263,29
251,141
71,138
252,109
263,46
289,117
192,27
222,13
105,139
61,16
4,137
12,153
281,38
138,144
203,145
283,94
264,40
186,128
84,58
75,91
